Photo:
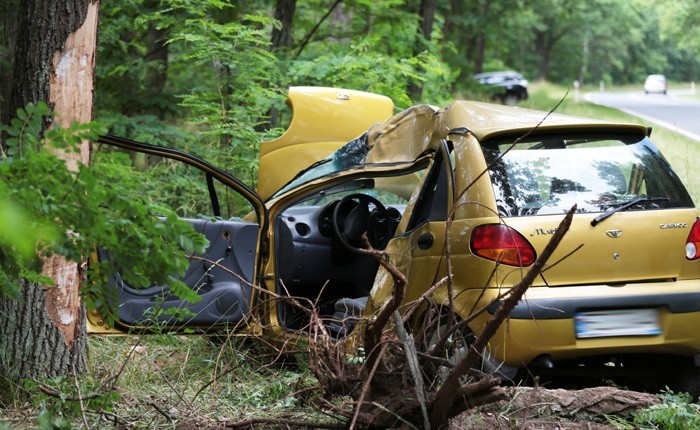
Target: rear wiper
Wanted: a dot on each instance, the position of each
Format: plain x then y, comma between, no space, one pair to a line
626,206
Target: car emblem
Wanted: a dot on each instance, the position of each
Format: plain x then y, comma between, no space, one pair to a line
614,233
342,96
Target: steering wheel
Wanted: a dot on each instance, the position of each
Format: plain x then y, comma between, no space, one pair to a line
352,218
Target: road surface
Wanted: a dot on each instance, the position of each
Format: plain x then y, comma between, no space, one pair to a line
669,111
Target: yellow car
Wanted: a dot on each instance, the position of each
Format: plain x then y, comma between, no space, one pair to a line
503,177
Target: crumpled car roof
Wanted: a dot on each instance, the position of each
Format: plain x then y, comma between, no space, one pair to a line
410,133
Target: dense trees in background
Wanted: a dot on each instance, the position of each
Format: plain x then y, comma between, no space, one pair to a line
221,68
224,65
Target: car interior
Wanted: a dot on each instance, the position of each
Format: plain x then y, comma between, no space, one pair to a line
318,239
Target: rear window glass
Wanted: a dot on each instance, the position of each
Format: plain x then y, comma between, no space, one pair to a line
548,175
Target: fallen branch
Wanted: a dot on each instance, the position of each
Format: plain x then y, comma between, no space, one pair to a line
449,393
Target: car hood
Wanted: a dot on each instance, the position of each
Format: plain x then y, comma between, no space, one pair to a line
323,120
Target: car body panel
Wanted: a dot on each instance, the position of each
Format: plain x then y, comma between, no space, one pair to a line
532,334
487,121
629,246
323,120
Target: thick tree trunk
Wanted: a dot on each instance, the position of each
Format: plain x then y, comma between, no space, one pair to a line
43,333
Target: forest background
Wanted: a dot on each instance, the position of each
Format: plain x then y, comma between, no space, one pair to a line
211,75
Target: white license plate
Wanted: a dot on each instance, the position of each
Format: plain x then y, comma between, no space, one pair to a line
627,322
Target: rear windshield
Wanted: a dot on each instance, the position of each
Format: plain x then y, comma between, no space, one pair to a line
547,175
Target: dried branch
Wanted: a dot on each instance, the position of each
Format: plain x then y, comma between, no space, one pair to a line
310,34
409,348
373,331
449,392
283,423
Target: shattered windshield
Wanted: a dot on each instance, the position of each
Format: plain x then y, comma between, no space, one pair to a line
548,175
352,154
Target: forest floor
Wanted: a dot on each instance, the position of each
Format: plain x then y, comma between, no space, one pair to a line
188,382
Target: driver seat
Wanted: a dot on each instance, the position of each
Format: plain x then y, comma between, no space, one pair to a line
347,314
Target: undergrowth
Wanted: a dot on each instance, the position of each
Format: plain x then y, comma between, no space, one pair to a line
677,411
166,381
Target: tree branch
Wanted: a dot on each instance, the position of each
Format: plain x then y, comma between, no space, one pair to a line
449,392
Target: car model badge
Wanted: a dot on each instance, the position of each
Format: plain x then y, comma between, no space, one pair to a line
614,233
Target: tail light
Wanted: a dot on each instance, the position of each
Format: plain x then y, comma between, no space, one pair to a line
692,244
502,244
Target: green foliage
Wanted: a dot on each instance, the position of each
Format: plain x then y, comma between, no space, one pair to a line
232,102
676,412
376,54
71,212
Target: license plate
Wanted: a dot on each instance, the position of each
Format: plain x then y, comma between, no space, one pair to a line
627,322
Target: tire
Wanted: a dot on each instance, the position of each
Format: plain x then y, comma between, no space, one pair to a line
510,100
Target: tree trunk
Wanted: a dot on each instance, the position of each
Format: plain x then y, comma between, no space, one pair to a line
281,45
43,333
427,18
284,13
480,45
543,47
156,66
8,27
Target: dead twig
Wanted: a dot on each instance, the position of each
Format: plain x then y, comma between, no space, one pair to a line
449,392
282,422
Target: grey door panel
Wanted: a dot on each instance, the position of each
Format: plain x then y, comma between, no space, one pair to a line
221,277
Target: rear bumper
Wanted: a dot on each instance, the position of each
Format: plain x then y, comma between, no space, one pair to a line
543,323
567,307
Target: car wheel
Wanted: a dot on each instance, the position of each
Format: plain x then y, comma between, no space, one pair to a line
510,100
687,381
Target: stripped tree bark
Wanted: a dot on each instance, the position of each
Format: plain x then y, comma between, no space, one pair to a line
42,334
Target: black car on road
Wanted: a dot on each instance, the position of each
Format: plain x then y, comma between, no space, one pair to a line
512,86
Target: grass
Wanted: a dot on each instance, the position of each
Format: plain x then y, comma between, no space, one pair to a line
681,152
166,381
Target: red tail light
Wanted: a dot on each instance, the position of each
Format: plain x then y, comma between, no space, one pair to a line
503,244
692,243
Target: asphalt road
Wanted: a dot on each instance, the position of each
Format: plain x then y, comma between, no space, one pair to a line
669,111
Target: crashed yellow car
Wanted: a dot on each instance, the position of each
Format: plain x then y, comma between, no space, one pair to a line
492,182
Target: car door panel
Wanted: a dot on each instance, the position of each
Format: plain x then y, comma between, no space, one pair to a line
222,276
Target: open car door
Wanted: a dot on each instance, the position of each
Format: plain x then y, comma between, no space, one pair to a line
229,214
